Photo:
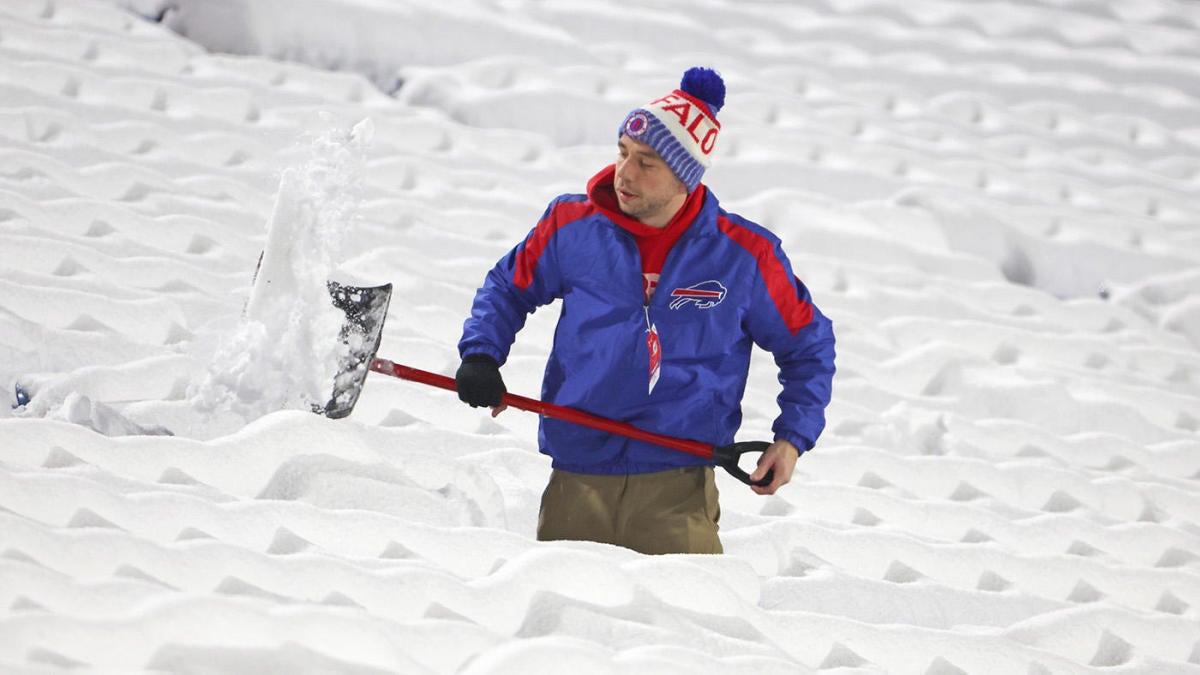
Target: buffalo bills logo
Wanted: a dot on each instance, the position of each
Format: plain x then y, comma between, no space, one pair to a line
637,124
706,295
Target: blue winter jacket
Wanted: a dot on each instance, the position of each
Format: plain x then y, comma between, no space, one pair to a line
726,285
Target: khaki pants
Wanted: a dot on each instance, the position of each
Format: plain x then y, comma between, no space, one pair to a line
672,511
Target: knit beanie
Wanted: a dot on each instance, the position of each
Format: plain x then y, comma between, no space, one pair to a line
682,126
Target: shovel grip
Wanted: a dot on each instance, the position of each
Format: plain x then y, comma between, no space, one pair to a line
727,457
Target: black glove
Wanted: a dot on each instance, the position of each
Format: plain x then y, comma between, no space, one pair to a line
479,382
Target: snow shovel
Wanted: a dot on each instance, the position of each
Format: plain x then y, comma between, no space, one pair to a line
366,310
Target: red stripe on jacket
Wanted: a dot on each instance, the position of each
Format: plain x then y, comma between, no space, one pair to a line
539,239
796,313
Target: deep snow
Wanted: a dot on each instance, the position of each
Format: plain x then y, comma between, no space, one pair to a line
995,202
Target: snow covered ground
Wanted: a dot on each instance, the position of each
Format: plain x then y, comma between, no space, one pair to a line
995,202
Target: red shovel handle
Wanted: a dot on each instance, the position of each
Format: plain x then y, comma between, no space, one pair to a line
549,410
726,456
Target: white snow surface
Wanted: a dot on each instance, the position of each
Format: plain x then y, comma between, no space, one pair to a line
995,202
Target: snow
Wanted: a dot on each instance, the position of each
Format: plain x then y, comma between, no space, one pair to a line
995,202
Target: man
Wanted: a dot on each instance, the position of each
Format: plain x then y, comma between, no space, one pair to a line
663,295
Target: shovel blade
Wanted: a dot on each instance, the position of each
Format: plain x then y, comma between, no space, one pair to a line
365,309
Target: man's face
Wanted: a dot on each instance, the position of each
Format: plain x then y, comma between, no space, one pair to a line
647,190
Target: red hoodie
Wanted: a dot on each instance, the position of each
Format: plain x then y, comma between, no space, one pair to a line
653,243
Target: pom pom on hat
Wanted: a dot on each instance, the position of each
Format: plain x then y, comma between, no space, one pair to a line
706,85
682,126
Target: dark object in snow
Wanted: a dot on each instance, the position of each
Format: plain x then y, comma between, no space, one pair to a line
22,396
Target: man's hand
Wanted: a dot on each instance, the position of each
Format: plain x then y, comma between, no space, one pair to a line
479,383
781,457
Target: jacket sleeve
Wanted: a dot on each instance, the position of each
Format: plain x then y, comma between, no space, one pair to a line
523,280
786,323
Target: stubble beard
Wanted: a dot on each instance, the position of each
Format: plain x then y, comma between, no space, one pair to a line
643,207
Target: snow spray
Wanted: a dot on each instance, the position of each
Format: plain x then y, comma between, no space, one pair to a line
284,352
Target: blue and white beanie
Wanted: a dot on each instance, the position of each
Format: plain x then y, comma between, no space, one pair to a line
682,126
